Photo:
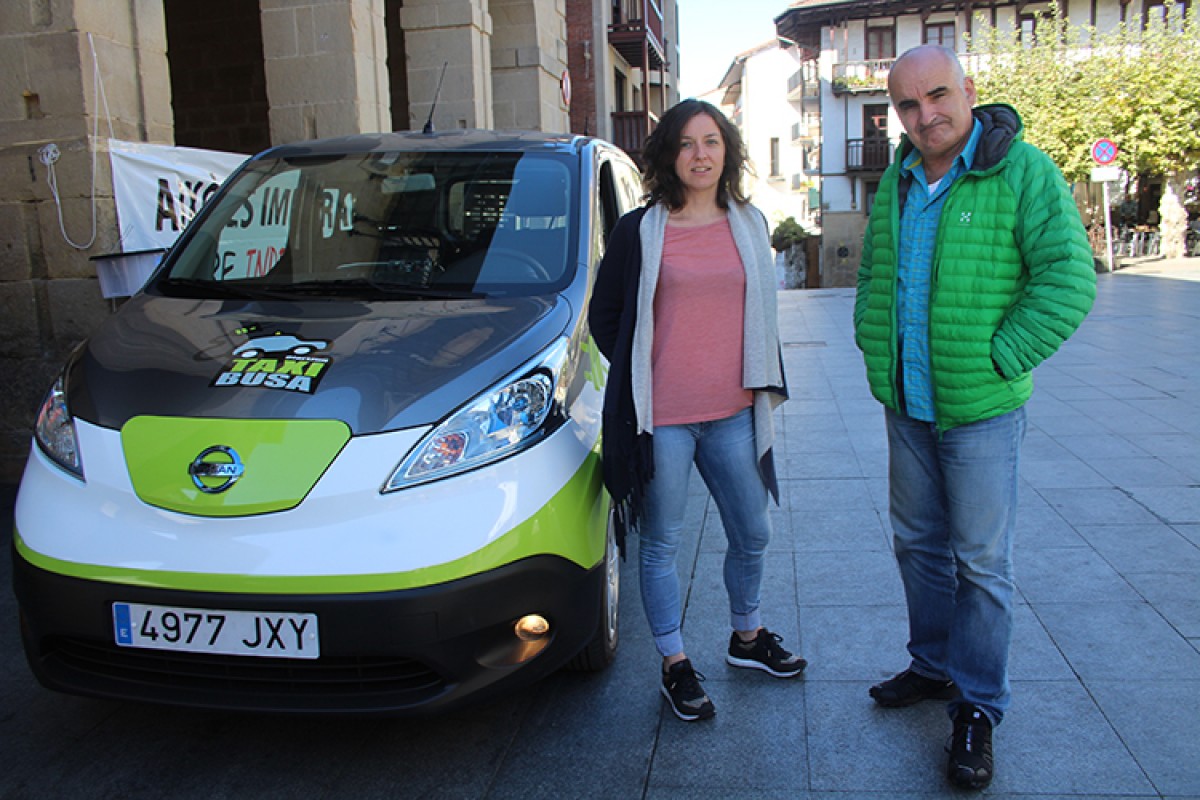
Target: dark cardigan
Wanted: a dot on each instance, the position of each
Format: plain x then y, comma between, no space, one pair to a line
628,457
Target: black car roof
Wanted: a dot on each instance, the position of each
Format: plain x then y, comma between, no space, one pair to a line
458,139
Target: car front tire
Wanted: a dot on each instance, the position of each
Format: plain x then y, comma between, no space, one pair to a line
602,649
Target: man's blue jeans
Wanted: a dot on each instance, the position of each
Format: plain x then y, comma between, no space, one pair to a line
953,500
723,451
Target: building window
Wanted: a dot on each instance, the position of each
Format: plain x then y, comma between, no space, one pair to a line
775,173
810,158
874,152
940,33
875,121
870,188
1157,11
881,43
1027,27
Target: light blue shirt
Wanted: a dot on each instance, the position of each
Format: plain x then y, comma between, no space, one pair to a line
918,238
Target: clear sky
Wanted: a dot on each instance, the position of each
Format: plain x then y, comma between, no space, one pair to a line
712,32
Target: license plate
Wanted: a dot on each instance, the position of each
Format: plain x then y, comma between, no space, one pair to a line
271,634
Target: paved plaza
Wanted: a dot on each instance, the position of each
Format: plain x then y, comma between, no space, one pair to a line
1105,664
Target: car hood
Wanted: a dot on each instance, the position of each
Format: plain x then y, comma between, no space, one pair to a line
376,366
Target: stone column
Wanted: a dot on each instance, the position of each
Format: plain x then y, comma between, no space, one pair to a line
454,35
50,53
529,57
326,68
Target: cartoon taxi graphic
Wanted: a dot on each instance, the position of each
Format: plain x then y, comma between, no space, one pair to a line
341,454
279,343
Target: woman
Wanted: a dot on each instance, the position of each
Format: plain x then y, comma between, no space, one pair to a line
684,309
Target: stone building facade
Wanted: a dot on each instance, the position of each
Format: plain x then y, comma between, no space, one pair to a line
239,76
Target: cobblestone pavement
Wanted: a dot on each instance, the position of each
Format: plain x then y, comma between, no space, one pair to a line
1105,666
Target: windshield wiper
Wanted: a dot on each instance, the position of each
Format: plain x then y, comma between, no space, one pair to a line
359,286
227,289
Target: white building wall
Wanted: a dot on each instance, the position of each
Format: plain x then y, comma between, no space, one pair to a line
834,118
1108,17
909,33
767,114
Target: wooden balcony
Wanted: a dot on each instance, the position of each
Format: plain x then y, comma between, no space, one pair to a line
637,33
868,155
630,129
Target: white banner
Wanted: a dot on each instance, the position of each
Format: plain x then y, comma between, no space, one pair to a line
159,188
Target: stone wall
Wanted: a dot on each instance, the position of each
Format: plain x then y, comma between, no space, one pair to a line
529,57
447,43
841,248
55,116
326,68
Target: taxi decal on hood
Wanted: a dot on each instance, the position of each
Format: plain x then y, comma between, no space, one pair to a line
280,361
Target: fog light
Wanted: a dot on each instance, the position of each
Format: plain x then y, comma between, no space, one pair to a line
531,628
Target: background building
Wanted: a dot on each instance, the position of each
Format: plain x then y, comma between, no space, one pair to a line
626,56
239,76
845,50
778,129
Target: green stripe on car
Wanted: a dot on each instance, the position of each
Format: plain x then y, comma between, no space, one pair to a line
572,525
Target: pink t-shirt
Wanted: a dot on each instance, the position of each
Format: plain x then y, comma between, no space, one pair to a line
699,307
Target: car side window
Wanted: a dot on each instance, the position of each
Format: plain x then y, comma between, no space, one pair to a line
610,208
620,192
629,184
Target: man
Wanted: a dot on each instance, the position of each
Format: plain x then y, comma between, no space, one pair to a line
975,268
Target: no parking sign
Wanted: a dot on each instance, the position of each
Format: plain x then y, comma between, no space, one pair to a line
1104,151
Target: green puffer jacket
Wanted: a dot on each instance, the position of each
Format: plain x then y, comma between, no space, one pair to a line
1012,278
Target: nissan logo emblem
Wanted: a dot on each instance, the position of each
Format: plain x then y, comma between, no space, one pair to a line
216,463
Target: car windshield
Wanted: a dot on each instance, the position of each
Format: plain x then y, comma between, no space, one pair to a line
391,225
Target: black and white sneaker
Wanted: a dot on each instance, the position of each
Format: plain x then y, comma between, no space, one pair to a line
765,652
681,687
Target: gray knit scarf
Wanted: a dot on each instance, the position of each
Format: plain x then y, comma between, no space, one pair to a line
761,367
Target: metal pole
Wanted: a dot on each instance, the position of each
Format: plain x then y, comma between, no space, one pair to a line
1108,227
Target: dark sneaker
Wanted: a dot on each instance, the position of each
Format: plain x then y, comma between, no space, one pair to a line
681,686
970,748
766,653
909,688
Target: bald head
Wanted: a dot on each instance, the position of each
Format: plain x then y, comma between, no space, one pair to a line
926,57
933,99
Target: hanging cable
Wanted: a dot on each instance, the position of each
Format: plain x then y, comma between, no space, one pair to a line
49,154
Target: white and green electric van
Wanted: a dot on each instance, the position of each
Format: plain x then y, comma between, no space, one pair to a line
341,453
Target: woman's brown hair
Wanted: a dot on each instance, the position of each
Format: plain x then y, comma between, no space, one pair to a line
662,148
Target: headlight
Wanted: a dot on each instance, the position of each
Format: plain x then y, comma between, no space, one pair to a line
508,418
55,430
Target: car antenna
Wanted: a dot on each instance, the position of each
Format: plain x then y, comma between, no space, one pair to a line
429,122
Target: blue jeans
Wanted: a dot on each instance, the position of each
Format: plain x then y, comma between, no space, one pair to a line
723,451
953,502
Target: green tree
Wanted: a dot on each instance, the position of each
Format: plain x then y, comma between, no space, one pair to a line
1139,86
787,234
785,239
